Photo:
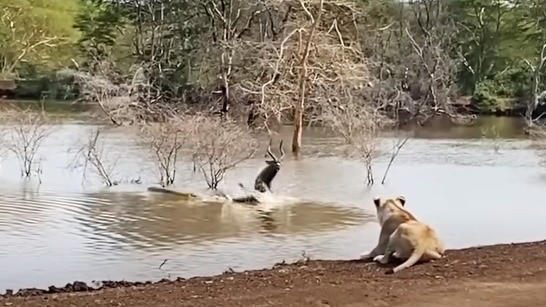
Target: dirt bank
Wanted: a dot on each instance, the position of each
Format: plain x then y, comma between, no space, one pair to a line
499,275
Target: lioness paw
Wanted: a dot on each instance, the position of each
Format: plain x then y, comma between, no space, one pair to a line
380,259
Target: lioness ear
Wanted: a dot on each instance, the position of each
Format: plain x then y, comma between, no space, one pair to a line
402,200
376,201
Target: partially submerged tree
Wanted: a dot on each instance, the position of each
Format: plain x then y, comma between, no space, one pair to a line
97,160
218,146
293,75
359,126
303,74
166,140
25,134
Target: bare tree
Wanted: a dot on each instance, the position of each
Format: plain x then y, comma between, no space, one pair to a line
218,146
413,65
303,75
314,59
536,72
124,99
94,156
112,98
359,126
24,136
318,73
165,141
228,22
429,38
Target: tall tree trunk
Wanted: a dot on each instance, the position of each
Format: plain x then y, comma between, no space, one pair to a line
298,128
533,102
300,106
226,74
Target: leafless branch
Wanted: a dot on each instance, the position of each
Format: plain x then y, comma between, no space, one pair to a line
25,136
94,157
396,150
218,146
165,140
536,72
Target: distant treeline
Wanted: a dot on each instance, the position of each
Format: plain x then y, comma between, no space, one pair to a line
255,56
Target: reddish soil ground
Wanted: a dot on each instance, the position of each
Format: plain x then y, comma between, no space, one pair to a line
499,275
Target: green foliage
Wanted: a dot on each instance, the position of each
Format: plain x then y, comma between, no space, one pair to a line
36,33
498,94
167,40
486,97
514,81
99,22
489,38
176,42
495,38
533,22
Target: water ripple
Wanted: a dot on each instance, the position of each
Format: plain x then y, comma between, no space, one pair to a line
59,232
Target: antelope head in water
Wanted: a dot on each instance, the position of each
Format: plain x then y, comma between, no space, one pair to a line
263,181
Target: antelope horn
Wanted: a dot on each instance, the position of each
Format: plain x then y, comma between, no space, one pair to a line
269,151
281,151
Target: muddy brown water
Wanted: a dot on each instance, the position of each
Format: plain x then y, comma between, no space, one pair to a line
474,190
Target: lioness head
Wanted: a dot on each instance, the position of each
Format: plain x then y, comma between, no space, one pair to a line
387,206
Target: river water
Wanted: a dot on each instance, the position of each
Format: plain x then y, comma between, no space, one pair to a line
473,189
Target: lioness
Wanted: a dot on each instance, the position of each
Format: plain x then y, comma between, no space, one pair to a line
403,236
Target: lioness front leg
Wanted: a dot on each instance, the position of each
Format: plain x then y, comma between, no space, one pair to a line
384,236
378,250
